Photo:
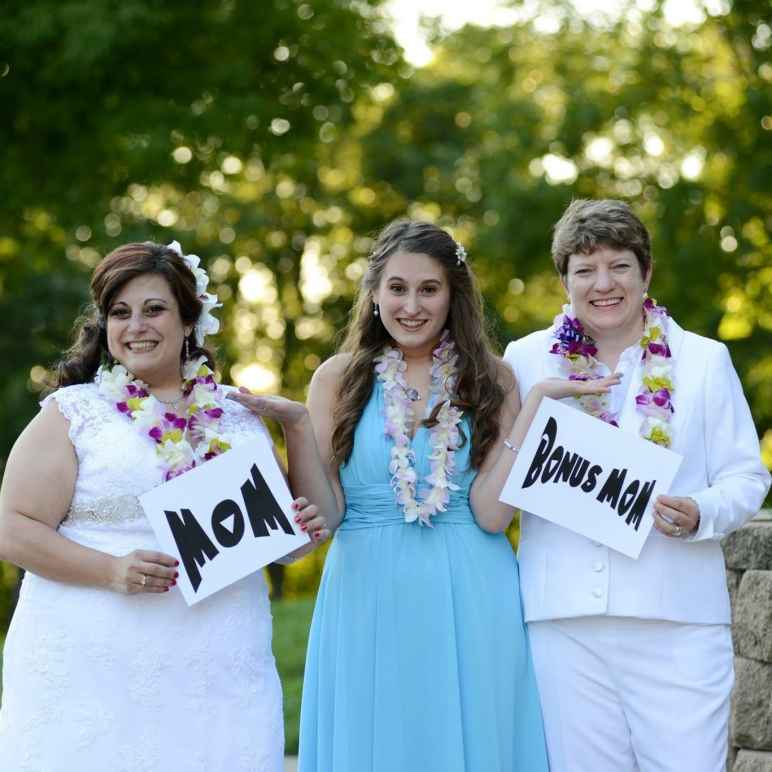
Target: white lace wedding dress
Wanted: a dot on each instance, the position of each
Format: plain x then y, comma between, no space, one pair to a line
97,681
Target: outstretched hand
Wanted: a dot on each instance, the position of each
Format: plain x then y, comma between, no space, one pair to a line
286,411
560,388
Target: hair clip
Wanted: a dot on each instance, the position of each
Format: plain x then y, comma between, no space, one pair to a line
460,254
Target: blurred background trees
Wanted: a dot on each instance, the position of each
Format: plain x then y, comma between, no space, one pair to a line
275,138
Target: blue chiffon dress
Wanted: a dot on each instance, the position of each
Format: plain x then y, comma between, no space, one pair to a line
418,659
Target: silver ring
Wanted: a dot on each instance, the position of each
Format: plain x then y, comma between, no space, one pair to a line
678,531
144,579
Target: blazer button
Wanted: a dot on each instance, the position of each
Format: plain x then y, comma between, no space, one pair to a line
597,566
597,592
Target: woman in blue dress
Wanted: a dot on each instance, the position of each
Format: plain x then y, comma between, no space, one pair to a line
418,658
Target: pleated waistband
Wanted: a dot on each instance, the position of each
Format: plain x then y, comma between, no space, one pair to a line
374,506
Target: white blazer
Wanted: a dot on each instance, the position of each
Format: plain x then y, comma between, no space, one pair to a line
564,575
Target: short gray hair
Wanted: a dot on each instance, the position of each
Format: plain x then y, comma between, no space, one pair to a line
591,223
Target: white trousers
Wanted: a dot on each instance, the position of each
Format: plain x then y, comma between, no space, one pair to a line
633,695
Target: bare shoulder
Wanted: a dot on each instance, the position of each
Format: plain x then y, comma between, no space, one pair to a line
505,377
328,375
45,440
52,420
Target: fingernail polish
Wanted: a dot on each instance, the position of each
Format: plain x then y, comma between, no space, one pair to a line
297,518
175,575
303,527
173,583
176,562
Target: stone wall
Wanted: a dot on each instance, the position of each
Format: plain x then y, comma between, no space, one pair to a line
748,554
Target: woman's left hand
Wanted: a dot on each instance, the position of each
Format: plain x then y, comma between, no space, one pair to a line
676,516
308,518
560,388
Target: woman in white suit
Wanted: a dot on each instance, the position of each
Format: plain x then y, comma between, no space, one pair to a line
634,657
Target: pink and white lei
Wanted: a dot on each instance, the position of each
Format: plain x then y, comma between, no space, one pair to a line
654,400
185,440
444,437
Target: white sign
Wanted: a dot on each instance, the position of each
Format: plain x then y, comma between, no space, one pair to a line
224,519
588,476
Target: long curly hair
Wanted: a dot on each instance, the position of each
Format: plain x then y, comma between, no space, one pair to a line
479,391
81,361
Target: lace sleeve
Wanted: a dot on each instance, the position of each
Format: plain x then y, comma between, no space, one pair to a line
77,405
240,423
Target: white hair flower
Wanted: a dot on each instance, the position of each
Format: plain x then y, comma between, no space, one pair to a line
207,323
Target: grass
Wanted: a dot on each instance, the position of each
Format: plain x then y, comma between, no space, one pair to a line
291,622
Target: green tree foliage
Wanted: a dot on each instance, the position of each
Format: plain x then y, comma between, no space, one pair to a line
140,120
130,120
507,125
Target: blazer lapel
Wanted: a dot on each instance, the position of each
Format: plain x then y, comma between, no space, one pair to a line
681,371
630,419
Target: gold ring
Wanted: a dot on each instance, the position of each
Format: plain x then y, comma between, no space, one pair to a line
678,531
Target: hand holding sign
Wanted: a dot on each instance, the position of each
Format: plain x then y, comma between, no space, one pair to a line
143,571
310,521
676,515
226,519
589,477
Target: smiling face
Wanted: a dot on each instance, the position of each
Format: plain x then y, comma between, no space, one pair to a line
606,291
413,299
145,332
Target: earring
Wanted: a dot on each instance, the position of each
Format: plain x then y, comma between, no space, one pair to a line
375,310
187,349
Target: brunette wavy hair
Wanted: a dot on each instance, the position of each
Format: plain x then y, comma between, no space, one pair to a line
480,392
81,361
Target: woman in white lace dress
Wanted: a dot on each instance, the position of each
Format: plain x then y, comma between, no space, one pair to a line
105,668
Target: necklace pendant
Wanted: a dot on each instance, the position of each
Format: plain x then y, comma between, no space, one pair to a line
412,394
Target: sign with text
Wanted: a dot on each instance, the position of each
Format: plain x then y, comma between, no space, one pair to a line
224,519
588,476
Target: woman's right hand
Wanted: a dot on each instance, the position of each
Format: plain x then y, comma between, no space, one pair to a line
143,571
286,411
560,388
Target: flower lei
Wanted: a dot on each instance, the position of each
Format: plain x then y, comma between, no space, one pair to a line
185,440
444,436
654,400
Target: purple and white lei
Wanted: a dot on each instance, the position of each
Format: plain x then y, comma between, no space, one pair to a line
182,441
654,400
444,436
